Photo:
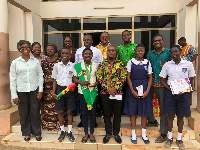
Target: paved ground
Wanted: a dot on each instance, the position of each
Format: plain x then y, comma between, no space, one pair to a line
3,147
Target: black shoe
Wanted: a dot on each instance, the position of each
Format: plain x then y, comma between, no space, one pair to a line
80,124
118,139
71,137
27,139
106,139
134,141
62,136
146,141
153,124
38,138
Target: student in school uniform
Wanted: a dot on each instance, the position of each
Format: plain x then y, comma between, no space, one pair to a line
62,74
139,102
178,104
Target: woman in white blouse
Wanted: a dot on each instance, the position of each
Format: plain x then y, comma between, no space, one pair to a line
26,84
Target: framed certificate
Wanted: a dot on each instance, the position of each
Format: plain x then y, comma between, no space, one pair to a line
180,86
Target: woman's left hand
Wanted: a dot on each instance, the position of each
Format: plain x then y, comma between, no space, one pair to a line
145,94
39,96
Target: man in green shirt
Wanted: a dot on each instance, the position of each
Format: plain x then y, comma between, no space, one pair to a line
126,50
158,57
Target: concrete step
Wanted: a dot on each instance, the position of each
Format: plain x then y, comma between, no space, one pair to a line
125,130
50,141
126,119
100,121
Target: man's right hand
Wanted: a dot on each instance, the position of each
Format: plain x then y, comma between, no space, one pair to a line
16,101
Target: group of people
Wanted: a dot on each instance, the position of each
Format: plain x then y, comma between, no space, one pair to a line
125,77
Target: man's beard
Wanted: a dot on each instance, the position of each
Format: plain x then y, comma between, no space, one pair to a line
111,58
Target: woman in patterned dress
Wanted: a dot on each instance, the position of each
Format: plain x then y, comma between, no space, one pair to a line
50,116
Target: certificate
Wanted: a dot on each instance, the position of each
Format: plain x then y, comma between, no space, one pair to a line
180,86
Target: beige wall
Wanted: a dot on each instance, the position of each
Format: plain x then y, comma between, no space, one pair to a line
86,8
32,5
190,25
16,24
23,25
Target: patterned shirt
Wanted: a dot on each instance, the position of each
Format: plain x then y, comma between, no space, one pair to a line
111,75
126,53
103,50
188,52
41,58
157,62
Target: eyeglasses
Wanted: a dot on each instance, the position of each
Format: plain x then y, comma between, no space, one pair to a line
23,48
105,37
111,50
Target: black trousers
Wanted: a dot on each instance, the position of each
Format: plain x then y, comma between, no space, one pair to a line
85,112
29,111
111,106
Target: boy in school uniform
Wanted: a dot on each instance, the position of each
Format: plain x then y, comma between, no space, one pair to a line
178,104
62,74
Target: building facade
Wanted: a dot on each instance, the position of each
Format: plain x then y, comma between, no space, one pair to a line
49,21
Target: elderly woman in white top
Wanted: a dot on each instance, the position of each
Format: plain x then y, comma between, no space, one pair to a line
26,84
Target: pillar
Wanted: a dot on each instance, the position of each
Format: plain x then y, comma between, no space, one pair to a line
198,78
5,98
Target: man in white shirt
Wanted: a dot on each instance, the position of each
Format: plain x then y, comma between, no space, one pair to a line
97,55
178,104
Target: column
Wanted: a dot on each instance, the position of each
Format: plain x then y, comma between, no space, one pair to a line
198,78
5,98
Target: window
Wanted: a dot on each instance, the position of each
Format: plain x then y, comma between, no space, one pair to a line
143,28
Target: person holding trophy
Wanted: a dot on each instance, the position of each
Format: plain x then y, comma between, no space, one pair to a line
85,76
138,100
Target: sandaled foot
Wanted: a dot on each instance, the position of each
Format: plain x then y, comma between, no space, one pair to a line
92,139
85,138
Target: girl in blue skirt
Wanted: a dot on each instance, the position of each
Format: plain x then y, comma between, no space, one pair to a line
138,99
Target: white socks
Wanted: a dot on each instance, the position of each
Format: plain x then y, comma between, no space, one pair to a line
179,136
69,128
144,136
133,135
62,128
170,135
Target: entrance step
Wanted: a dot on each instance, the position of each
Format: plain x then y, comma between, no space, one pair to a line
50,141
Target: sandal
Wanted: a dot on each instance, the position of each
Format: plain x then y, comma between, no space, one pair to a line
93,140
85,140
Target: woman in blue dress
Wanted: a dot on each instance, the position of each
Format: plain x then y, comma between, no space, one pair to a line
139,102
